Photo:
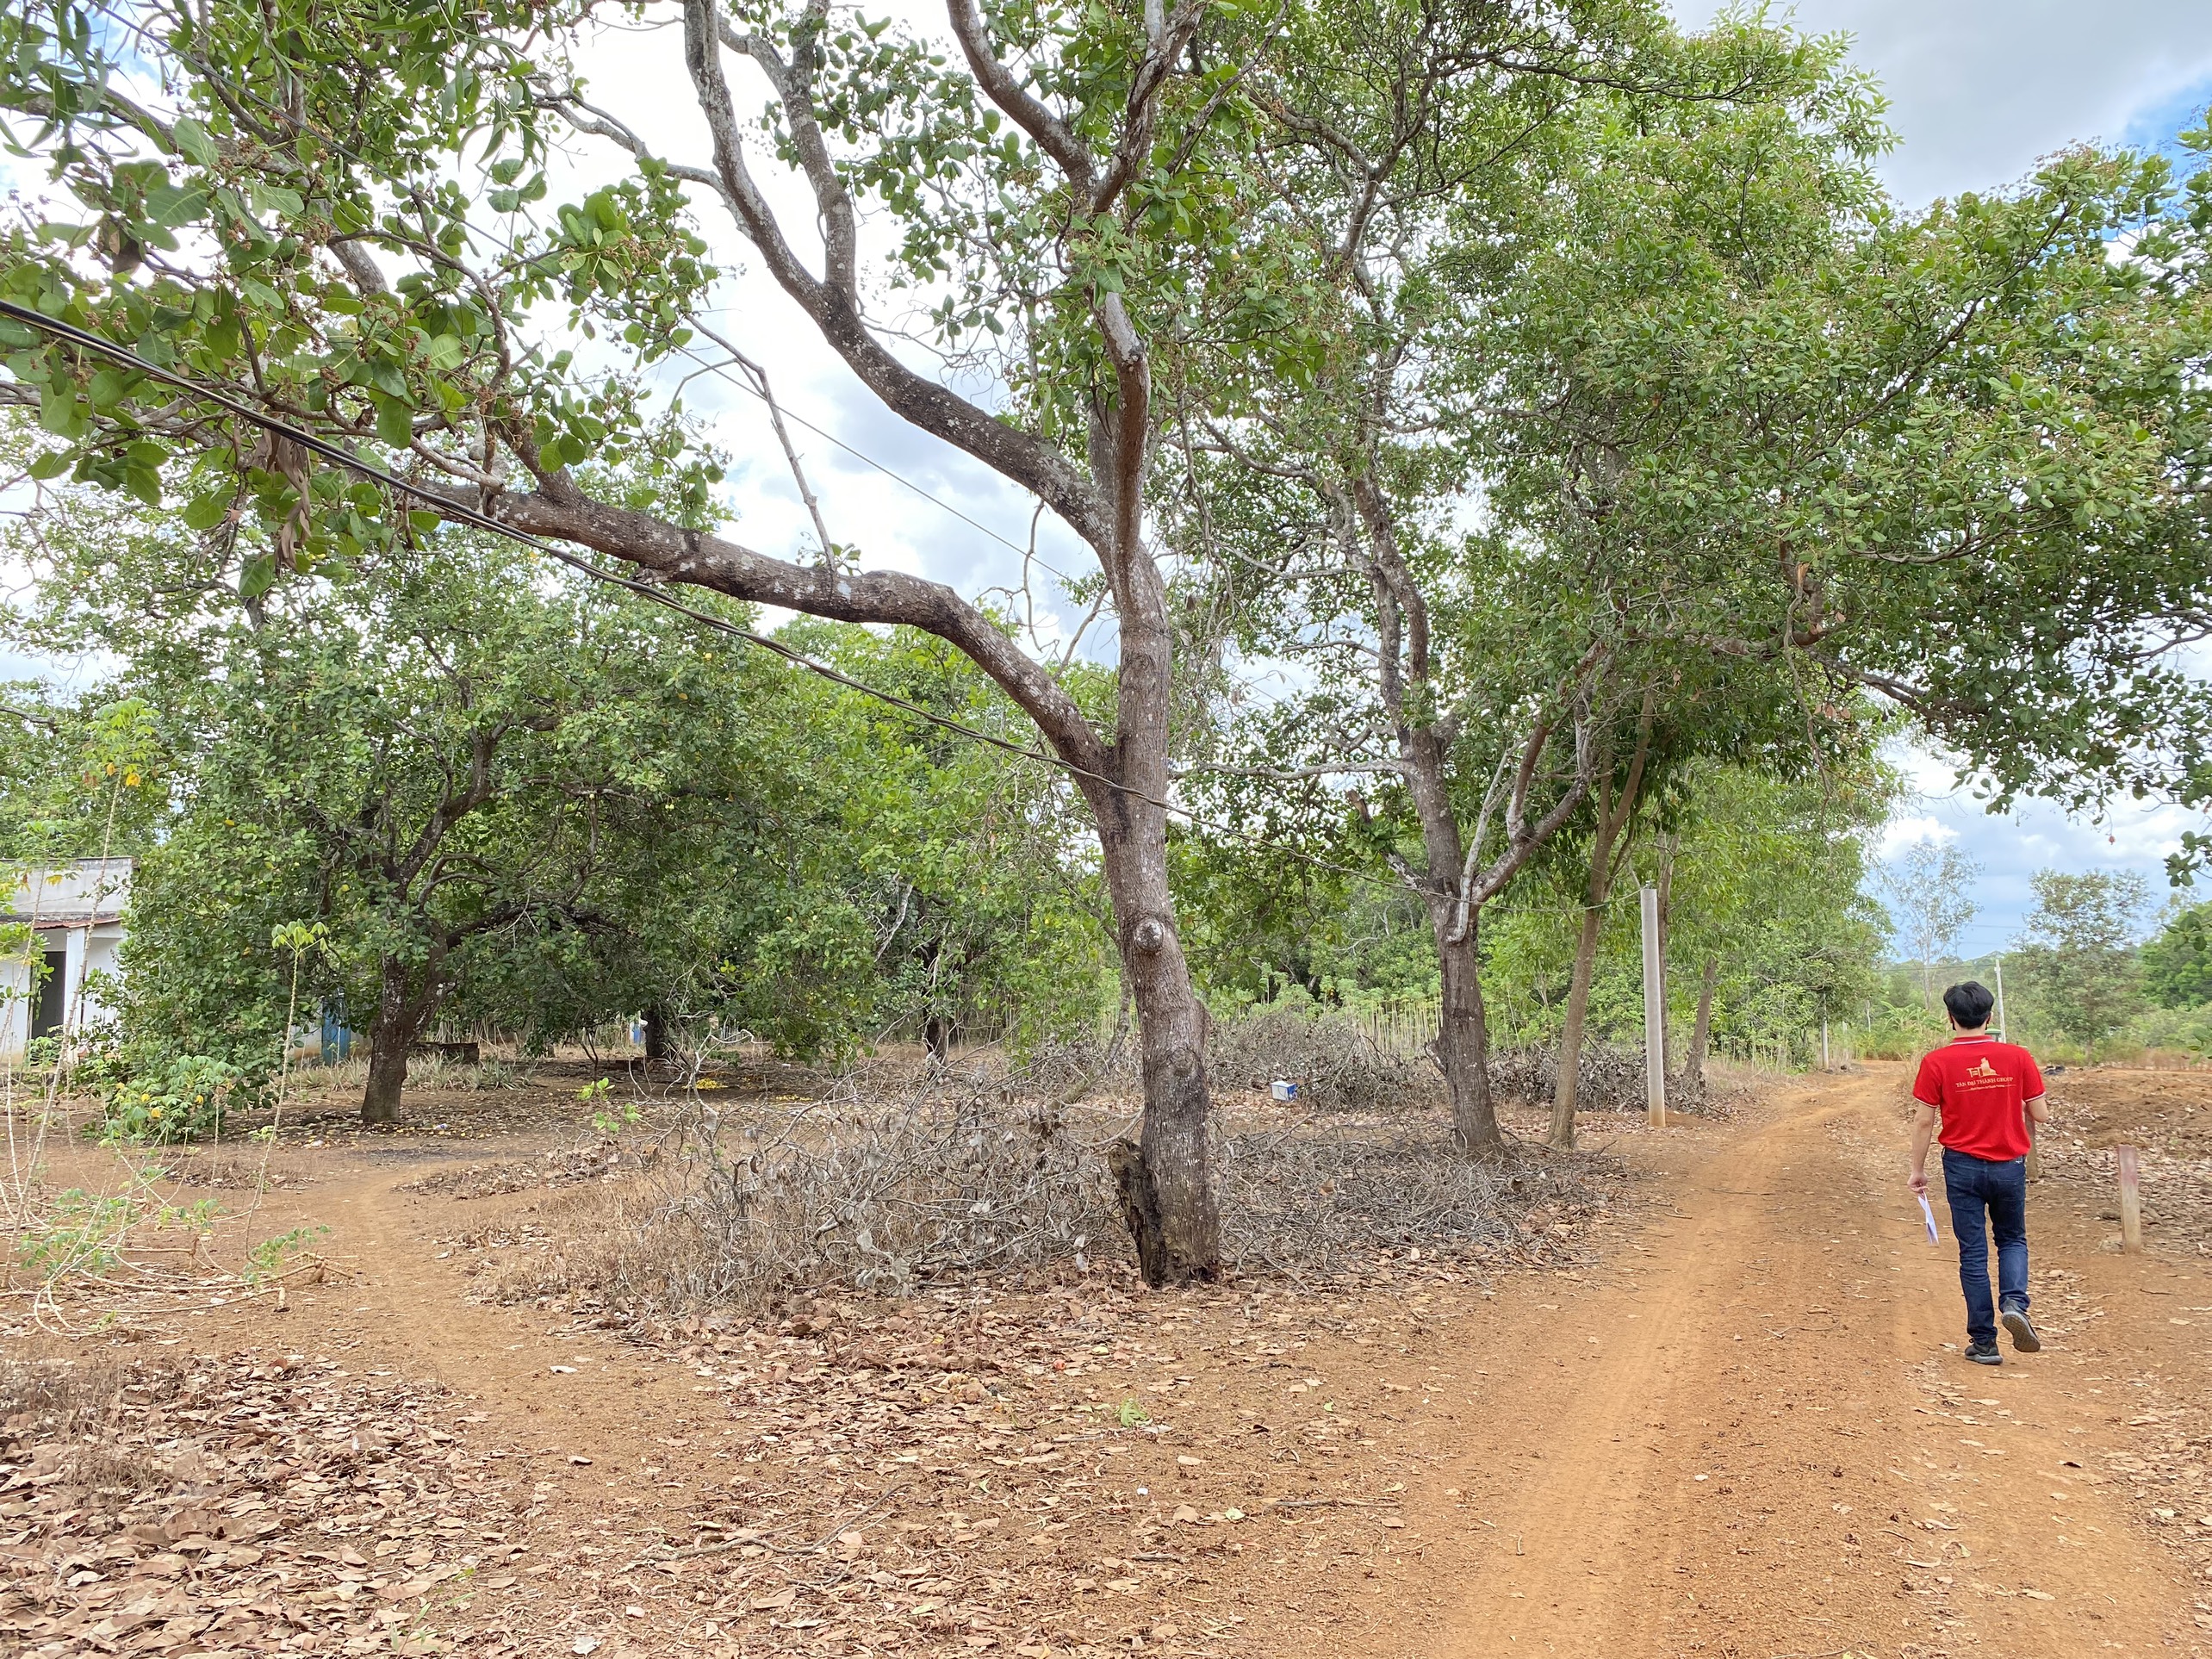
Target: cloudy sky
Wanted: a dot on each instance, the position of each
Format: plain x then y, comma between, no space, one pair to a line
1979,89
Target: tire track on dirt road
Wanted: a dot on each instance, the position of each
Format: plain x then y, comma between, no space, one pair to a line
1750,1439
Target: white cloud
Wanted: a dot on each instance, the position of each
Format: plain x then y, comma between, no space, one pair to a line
2011,846
1979,89
1903,832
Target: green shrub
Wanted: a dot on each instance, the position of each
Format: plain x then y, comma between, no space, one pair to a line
2188,1030
164,1099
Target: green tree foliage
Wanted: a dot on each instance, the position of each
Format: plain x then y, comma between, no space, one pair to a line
301,219
2178,961
1767,884
488,780
1943,457
436,761
77,781
1263,924
2077,961
1480,675
1763,880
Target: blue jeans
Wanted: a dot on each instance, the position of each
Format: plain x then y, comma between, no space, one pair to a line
1973,1185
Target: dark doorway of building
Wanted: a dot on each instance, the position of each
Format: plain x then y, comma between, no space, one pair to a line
46,1012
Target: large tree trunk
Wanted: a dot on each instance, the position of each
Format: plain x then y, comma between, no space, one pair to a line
1463,1031
400,1016
1701,1033
1454,885
1463,1040
387,1076
1615,813
1567,1086
1166,1180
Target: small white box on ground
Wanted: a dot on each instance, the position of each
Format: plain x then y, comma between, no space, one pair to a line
1282,1090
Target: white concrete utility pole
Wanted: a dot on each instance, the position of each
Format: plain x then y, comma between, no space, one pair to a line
1655,1015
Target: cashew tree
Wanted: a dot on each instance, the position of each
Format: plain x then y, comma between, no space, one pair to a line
1479,675
350,216
1033,231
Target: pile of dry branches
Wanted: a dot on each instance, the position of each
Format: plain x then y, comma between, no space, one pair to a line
1333,1058
1335,1063
948,1182
1609,1079
751,1207
1323,1204
1067,1070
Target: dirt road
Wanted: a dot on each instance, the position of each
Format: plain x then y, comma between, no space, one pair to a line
1750,1438
1743,1429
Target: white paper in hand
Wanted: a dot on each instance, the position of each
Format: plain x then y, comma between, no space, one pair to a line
1929,1216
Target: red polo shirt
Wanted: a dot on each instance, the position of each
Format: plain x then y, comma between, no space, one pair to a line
1982,1087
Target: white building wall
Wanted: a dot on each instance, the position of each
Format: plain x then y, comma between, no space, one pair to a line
66,906
15,1007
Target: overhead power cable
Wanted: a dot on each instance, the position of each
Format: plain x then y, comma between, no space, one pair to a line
721,370
337,455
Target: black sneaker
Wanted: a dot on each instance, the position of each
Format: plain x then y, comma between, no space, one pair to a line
1984,1353
2015,1321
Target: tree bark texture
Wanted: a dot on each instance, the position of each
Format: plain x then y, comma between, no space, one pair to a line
1701,1033
402,1014
1615,813
1166,1180
1463,1042
1463,1036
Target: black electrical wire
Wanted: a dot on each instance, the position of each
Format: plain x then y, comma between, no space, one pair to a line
475,519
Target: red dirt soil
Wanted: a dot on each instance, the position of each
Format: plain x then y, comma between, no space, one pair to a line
1743,1429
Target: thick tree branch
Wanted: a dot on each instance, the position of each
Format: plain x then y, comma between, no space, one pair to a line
1131,424
1052,134
1140,119
835,310
558,510
794,83
354,259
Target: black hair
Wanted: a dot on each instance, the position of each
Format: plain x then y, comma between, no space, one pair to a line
1970,1003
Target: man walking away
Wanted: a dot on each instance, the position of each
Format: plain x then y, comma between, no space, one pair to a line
1986,1092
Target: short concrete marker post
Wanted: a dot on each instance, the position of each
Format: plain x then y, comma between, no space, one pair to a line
2131,1201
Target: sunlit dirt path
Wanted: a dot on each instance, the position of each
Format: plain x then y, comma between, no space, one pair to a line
1748,1437
1732,1420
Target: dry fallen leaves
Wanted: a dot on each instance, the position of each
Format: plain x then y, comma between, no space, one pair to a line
244,1504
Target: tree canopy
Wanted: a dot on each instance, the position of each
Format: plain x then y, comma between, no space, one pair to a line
1550,393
